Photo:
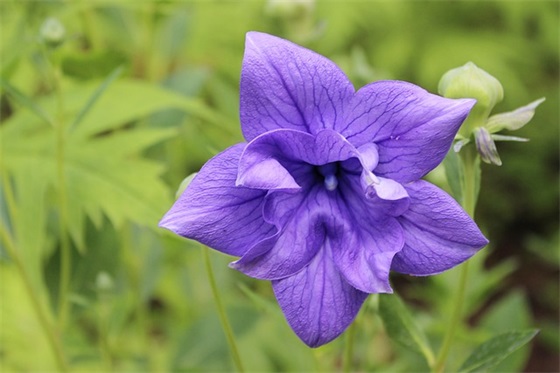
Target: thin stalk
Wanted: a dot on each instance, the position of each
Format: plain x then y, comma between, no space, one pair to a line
455,319
49,331
133,269
349,348
469,186
65,253
222,313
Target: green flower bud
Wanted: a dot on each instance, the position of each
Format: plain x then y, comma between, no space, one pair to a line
470,81
52,32
104,281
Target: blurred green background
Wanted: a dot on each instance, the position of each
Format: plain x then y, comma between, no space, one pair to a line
139,298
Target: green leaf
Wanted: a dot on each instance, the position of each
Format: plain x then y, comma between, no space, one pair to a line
401,327
25,101
129,99
496,349
104,172
19,326
126,100
511,312
513,120
94,97
454,174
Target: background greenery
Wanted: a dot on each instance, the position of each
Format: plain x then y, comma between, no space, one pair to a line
139,297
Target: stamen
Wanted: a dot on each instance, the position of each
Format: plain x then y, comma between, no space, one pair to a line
331,182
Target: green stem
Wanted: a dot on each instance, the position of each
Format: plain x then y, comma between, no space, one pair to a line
469,187
455,319
222,313
49,331
134,272
65,253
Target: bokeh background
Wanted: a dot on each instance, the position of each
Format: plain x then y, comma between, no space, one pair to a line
140,297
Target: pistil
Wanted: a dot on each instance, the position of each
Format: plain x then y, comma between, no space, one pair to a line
329,173
331,182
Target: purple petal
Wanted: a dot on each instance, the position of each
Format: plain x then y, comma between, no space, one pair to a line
286,86
215,212
438,233
365,242
317,302
412,128
300,220
271,159
383,188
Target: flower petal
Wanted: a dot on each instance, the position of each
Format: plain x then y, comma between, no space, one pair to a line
438,233
317,302
273,160
364,245
412,128
300,220
215,212
284,85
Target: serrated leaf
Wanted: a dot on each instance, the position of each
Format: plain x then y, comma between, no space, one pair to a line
104,175
496,349
125,101
401,327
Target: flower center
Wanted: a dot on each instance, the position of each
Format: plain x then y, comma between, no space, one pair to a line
329,172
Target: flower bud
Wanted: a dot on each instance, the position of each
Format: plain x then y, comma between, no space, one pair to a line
486,146
52,32
470,81
103,281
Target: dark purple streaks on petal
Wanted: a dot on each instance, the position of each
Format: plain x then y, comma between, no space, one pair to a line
412,128
286,86
365,238
215,212
438,233
317,302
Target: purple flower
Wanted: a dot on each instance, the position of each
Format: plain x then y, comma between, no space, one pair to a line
325,198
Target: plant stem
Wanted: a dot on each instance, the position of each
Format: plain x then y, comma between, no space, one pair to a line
222,313
455,319
65,253
469,188
49,331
